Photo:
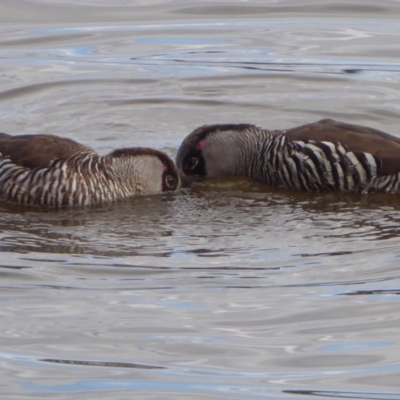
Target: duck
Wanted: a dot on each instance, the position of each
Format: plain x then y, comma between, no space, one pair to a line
54,171
326,155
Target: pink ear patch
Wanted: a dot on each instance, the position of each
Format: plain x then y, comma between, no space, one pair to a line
200,145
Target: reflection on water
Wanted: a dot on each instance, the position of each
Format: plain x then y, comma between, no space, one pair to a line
221,220
228,289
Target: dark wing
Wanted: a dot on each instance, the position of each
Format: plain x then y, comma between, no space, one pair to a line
37,151
356,138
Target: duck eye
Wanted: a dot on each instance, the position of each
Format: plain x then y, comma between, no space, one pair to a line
170,181
191,164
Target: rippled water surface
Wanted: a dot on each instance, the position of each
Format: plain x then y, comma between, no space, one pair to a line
227,290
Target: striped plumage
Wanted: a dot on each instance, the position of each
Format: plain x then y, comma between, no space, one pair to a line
47,170
323,156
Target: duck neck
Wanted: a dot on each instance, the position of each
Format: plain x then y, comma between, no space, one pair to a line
252,152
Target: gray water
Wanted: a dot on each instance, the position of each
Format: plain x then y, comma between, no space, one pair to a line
228,290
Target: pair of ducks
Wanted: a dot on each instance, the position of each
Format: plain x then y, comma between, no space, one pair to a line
47,170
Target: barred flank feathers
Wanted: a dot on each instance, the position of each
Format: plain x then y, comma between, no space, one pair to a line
319,166
80,180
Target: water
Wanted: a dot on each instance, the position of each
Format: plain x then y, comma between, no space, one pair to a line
228,290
